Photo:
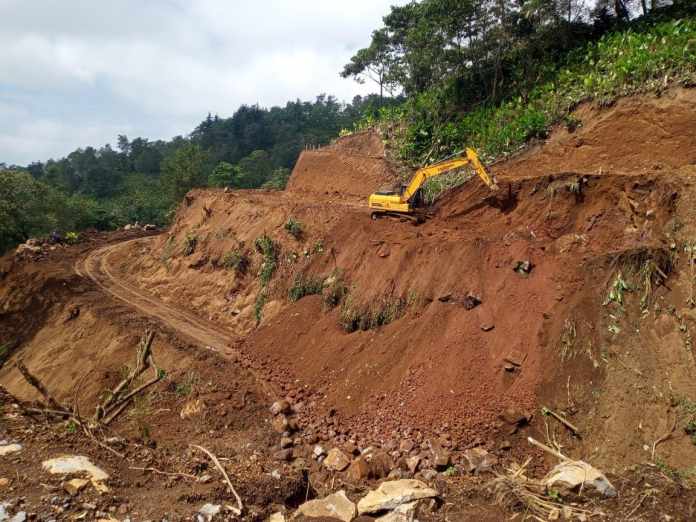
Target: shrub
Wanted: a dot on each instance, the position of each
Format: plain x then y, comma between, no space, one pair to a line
304,286
294,228
367,317
261,299
72,238
190,242
269,250
334,292
237,260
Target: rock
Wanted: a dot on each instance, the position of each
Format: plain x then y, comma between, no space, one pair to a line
442,458
318,451
402,513
487,327
285,442
150,227
277,517
575,475
7,449
280,423
358,470
390,495
516,417
192,408
479,460
509,367
395,474
336,460
505,445
445,298
4,482
283,455
279,407
471,301
429,474
334,506
406,446
523,268
21,516
74,486
208,512
74,464
379,462
412,463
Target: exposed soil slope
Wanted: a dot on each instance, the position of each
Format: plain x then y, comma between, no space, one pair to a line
441,367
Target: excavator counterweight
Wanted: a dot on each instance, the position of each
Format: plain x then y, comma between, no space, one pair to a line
406,200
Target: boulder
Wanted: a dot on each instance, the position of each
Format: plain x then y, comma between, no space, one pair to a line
406,446
277,517
74,486
280,423
402,513
334,506
279,407
7,449
380,463
358,470
392,494
336,460
208,512
479,460
412,463
442,458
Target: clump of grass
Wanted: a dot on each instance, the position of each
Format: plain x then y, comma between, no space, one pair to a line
616,291
335,290
384,311
318,247
304,286
294,228
688,411
261,299
190,243
188,384
237,260
269,250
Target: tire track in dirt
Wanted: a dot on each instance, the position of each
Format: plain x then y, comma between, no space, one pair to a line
95,266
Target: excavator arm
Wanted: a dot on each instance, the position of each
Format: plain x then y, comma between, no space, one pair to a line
401,202
430,171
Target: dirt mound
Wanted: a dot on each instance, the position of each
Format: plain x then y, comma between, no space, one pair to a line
352,166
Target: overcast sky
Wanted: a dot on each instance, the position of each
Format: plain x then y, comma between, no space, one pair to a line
79,72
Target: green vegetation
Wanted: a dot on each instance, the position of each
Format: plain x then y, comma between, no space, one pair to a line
294,228
188,384
142,180
384,311
190,242
335,291
259,304
303,286
237,260
269,250
495,76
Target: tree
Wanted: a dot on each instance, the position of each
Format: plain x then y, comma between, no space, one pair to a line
27,208
183,170
255,169
224,175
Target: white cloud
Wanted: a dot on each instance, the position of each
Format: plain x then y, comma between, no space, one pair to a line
83,71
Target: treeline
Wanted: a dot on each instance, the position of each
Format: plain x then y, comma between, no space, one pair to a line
143,180
463,63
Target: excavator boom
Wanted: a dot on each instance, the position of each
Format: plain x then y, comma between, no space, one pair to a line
400,203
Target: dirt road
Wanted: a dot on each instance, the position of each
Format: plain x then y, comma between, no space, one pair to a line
96,267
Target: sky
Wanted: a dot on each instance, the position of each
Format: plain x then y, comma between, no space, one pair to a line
79,72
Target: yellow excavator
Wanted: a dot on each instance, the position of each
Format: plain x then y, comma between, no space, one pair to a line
407,199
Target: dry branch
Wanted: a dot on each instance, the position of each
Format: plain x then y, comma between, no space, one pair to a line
39,386
562,420
167,473
238,510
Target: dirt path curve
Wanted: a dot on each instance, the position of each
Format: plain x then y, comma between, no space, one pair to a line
95,266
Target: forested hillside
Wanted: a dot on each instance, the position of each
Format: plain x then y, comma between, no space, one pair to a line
495,74
142,180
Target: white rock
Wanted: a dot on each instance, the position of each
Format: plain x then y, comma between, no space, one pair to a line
392,494
336,506
574,475
74,464
403,513
277,517
208,511
7,449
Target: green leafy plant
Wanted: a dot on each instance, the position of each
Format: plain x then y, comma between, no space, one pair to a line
294,228
335,290
269,250
72,238
260,302
303,286
188,384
